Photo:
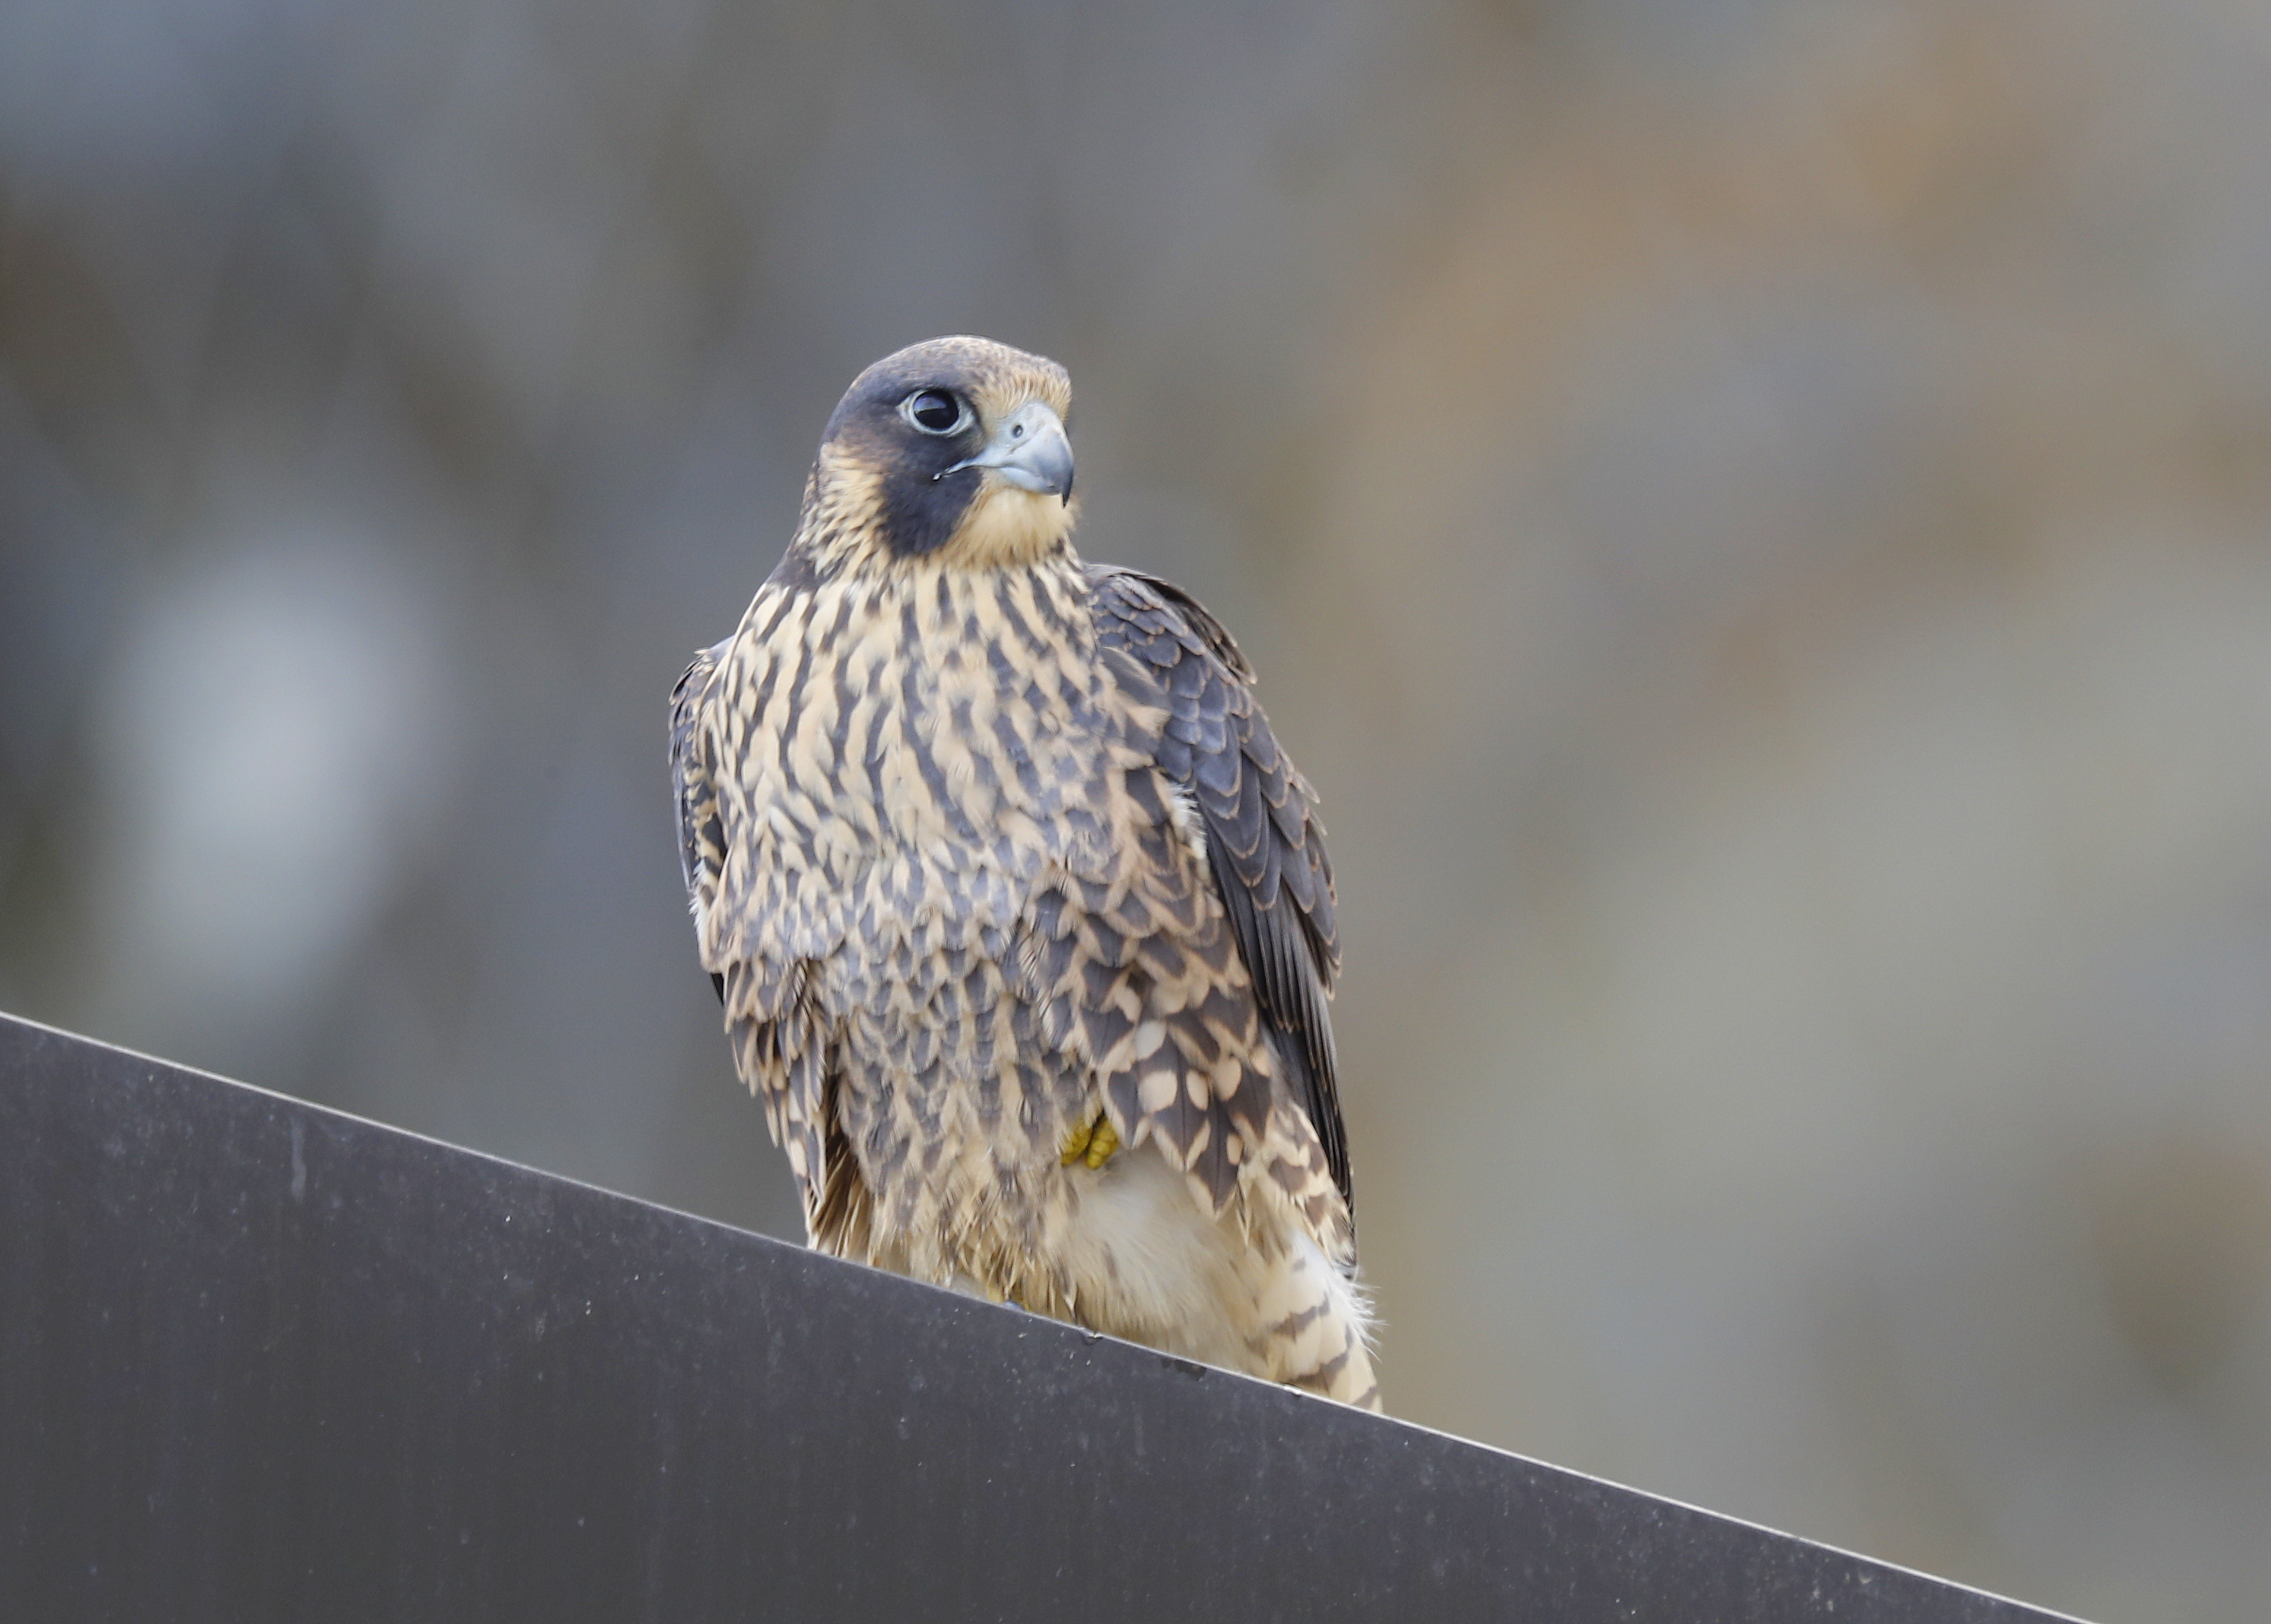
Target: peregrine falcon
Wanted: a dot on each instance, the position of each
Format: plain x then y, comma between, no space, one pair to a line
1021,920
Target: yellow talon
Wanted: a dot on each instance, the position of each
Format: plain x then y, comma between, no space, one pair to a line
1102,1141
1092,1142
1076,1145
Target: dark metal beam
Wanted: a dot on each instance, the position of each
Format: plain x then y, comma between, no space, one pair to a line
262,1361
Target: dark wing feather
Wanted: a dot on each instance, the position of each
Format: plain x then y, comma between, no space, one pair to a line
1264,843
782,1047
701,836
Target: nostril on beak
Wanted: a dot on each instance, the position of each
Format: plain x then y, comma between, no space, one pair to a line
1030,450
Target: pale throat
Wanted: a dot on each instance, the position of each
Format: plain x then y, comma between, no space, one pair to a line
1005,527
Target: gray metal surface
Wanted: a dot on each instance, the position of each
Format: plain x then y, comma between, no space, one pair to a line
262,1361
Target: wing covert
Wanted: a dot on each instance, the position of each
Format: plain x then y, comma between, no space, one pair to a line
1264,844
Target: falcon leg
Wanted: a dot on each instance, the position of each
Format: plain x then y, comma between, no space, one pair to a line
1093,1142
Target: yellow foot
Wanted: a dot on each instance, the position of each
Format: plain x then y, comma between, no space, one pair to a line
1093,1142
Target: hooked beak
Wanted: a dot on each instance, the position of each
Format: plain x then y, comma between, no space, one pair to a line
1030,450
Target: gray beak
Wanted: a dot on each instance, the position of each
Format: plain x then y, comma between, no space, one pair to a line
1030,451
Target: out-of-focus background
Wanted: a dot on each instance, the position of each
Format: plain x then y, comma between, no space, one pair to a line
1754,513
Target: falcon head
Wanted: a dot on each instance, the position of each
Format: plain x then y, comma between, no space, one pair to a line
952,450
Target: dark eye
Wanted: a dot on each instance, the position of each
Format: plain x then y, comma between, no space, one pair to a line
934,411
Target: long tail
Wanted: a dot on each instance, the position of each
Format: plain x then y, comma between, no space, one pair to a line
1317,1329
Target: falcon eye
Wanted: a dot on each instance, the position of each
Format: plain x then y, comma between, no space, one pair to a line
934,411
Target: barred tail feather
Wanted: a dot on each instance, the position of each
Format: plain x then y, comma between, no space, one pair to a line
1317,1328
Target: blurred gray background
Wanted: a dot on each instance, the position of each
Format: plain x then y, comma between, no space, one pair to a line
1752,512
